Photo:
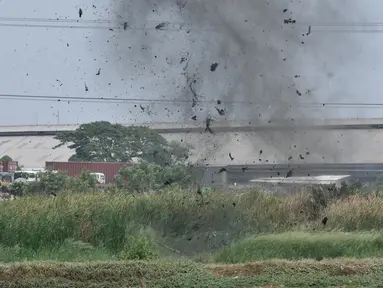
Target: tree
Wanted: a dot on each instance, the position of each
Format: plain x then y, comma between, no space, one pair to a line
146,177
105,142
5,158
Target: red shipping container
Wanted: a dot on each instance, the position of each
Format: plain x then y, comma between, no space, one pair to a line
8,166
74,169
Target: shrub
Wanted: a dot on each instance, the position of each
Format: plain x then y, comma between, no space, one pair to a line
138,248
50,182
146,177
18,188
84,183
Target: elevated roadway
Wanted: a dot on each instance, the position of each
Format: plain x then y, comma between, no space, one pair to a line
216,127
294,142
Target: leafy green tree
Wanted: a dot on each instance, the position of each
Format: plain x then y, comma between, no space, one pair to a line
105,142
5,158
145,177
51,182
84,183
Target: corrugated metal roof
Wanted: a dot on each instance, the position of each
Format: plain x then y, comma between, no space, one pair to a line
323,179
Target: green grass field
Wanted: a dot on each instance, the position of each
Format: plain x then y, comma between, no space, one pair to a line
168,274
180,239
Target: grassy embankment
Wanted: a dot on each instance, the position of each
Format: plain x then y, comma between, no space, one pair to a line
168,274
88,227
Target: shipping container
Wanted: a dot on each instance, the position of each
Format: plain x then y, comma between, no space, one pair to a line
8,166
74,169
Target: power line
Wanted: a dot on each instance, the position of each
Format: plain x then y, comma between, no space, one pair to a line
122,21
82,99
338,24
340,27
117,24
58,26
58,20
79,23
66,101
369,31
169,25
122,27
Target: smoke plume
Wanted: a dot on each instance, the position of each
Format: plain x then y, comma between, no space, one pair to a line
241,61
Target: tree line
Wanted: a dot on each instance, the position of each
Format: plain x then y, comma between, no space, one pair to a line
158,163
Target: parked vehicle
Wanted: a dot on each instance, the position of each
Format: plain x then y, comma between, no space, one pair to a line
100,177
26,176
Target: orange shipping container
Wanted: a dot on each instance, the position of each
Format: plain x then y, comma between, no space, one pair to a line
74,169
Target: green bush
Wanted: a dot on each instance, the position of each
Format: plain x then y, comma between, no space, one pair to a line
138,248
84,183
146,177
5,187
50,182
18,188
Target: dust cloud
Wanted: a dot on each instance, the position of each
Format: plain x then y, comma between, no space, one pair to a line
234,61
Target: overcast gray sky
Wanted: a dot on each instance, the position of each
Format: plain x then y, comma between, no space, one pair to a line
260,59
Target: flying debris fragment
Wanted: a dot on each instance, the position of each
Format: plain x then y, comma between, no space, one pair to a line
195,95
309,32
223,169
161,26
221,112
213,67
299,93
208,125
290,21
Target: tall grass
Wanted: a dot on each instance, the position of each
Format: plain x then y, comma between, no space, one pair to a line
109,220
134,226
356,213
303,245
